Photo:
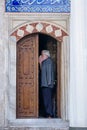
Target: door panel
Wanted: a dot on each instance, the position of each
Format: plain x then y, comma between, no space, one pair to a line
27,77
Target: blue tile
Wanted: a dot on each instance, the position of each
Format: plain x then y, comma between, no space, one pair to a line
40,6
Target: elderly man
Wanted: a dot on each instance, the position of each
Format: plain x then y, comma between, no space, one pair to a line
47,81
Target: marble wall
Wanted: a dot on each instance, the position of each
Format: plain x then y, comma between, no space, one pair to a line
78,64
76,110
8,24
3,63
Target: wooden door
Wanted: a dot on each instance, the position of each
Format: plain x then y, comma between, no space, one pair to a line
27,77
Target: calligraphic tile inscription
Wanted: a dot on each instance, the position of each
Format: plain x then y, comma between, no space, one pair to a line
40,6
27,77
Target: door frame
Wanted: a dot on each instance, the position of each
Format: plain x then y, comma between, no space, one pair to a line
65,48
59,79
37,92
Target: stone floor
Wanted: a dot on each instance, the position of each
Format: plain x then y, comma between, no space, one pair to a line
78,128
47,124
45,128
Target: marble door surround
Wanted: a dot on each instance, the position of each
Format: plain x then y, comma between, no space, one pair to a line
58,32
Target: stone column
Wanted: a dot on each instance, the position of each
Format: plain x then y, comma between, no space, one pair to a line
78,65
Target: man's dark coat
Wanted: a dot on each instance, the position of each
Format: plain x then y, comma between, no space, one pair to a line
47,73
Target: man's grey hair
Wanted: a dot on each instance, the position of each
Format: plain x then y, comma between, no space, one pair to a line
46,52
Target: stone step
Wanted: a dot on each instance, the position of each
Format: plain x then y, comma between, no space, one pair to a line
32,128
39,124
40,128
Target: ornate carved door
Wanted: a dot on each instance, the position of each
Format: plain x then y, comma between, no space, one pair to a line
27,77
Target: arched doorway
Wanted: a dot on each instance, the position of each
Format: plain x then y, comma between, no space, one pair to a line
28,100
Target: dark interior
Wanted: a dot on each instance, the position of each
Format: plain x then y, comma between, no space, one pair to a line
48,43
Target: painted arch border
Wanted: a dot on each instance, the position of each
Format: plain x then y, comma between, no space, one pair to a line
54,30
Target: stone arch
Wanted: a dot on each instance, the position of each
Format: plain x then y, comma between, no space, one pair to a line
58,33
50,29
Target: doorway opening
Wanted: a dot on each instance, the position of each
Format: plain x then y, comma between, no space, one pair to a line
48,43
29,99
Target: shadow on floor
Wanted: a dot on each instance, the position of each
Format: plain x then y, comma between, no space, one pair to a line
77,128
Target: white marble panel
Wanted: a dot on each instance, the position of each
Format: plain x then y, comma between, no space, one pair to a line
78,82
12,78
3,76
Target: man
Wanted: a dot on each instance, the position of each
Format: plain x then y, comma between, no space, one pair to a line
47,81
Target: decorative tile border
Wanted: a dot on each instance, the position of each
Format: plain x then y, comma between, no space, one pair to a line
40,27
40,6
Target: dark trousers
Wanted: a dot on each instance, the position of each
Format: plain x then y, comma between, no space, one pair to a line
47,99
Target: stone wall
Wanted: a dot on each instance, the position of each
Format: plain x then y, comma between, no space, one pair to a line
9,23
78,57
78,64
3,63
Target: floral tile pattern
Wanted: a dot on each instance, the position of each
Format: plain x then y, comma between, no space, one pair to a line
38,6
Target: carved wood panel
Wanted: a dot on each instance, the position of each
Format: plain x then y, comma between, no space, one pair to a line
27,77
